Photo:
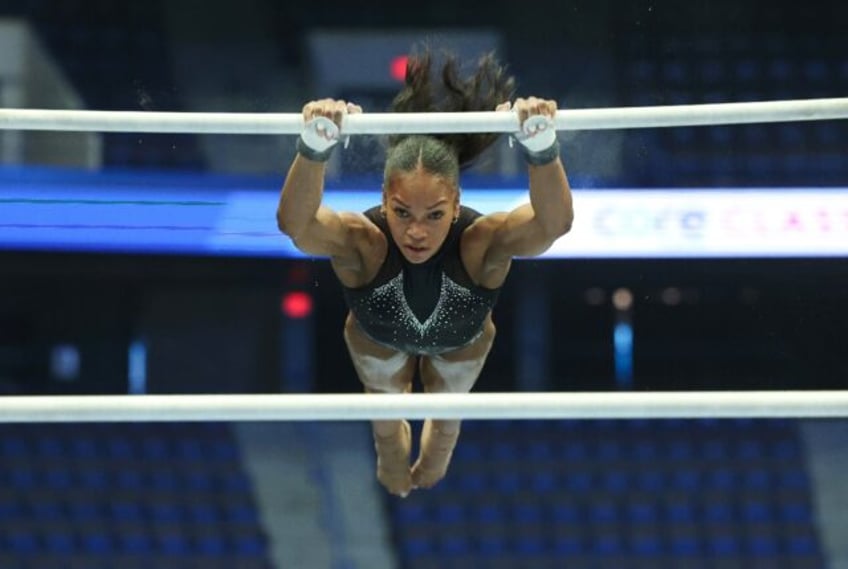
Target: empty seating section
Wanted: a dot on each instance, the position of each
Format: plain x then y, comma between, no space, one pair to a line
117,56
144,495
618,494
730,68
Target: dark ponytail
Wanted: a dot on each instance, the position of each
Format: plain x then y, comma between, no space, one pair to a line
446,154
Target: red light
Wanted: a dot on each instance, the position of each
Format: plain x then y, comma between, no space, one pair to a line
296,304
397,69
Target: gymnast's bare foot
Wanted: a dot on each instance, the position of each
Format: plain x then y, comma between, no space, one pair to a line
437,444
393,460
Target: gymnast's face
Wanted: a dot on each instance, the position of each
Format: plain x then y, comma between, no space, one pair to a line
420,208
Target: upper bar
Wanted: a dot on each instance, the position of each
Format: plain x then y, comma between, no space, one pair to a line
424,123
417,406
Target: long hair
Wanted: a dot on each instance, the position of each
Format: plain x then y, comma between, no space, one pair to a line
446,154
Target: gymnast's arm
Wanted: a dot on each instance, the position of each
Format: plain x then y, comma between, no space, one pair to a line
532,228
314,228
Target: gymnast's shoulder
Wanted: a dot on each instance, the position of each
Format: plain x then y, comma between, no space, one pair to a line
360,229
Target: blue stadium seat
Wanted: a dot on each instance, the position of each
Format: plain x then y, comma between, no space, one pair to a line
747,71
235,482
60,541
780,70
722,478
816,71
506,451
85,448
126,511
609,451
758,477
616,481
680,510
683,136
83,509
578,481
651,480
763,546
828,134
802,544
93,478
492,545
129,479
13,447
539,450
675,72
574,452
97,544
567,513
686,478
604,512
49,447
642,71
58,478
718,509
798,511
607,543
491,513
712,72
756,510
211,544
642,511
249,543
643,450
527,513
669,494
21,541
155,449
417,547
243,513
568,545
748,450
412,512
646,542
467,451
507,482
45,509
724,545
197,480
449,514
173,544
107,510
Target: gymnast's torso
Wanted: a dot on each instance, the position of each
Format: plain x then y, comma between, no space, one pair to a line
427,308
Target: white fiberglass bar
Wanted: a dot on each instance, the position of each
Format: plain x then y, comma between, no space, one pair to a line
424,123
354,407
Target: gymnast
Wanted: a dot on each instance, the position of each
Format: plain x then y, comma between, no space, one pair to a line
420,272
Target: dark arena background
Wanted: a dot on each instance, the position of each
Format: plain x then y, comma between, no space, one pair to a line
701,259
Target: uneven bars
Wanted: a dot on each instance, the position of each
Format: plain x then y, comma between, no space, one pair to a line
355,407
424,123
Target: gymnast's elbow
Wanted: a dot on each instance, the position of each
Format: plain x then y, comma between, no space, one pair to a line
556,228
288,226
565,226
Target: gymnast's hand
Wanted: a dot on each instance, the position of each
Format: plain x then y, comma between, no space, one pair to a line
322,123
537,131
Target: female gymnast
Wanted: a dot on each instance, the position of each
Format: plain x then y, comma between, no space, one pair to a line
420,272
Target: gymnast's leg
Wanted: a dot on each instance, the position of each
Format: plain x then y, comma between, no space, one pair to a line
383,370
452,372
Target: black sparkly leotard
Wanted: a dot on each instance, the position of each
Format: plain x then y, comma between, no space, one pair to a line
427,308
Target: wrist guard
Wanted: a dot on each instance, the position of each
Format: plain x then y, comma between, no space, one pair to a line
318,139
538,140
